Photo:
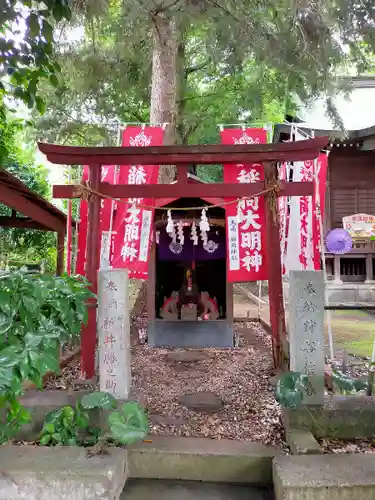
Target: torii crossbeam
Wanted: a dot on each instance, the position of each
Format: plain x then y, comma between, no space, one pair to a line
182,157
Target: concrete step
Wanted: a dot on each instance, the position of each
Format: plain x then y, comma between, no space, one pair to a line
199,459
324,477
155,489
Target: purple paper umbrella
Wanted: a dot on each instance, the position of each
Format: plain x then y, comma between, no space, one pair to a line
338,241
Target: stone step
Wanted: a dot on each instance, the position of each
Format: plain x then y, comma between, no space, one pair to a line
42,473
155,489
200,459
324,477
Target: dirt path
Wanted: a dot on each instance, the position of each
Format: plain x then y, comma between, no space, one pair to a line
235,382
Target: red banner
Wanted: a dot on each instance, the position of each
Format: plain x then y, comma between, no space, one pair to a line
107,175
133,223
82,231
320,184
245,220
283,214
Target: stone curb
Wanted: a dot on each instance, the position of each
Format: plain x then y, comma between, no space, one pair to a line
302,442
199,459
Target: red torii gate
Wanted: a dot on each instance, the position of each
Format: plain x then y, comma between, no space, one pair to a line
182,157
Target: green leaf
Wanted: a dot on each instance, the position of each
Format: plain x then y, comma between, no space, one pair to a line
33,24
102,400
57,437
82,421
45,439
68,414
50,428
40,104
347,384
47,31
58,12
54,80
289,390
30,304
24,416
128,425
135,415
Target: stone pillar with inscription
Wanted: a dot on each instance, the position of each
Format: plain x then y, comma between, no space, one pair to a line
306,330
114,332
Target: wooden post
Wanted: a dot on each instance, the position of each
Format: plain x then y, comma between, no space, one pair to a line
275,285
60,253
369,269
336,269
88,338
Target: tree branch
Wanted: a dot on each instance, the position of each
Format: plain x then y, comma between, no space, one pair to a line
224,9
163,8
201,96
197,67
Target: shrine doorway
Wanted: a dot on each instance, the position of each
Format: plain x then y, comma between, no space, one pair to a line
204,316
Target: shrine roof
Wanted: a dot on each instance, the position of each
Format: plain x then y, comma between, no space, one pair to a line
182,155
38,212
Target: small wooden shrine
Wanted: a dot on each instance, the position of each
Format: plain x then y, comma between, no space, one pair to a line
182,156
190,301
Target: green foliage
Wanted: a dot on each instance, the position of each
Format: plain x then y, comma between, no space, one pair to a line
37,314
238,61
21,244
64,426
290,389
26,48
292,386
102,400
71,426
129,424
347,385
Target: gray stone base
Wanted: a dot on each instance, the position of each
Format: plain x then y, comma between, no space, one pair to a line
324,477
65,473
341,417
199,459
165,333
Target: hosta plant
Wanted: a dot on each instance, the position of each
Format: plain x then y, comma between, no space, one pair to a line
37,315
292,386
71,426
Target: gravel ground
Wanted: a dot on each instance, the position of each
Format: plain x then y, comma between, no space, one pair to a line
337,446
238,377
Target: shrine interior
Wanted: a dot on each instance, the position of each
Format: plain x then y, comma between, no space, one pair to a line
205,260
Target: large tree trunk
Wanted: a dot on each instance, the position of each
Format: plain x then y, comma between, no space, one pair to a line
165,82
167,65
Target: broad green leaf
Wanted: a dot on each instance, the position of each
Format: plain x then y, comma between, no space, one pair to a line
82,421
102,400
47,31
33,24
127,435
30,303
68,414
49,427
135,415
45,440
40,104
289,390
57,437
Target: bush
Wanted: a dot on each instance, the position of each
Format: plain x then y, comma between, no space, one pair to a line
37,315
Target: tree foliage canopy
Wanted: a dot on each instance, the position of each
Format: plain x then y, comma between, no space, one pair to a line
19,244
240,60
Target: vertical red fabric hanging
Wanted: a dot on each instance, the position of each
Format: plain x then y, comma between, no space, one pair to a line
133,224
245,220
69,238
82,230
320,186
